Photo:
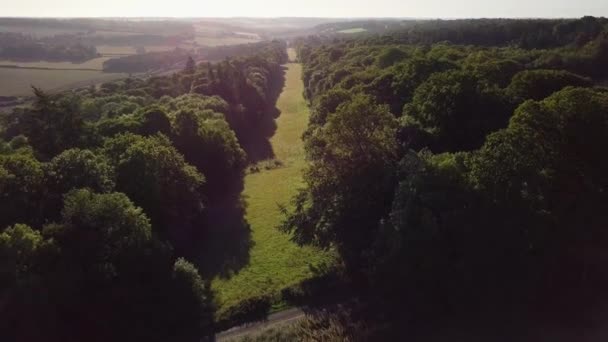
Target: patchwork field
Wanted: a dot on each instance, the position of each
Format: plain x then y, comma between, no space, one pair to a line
219,41
95,64
111,50
275,262
39,31
115,50
18,82
353,30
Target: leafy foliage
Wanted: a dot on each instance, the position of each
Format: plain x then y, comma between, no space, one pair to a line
475,195
119,186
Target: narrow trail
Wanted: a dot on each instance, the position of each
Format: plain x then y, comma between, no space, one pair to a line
275,320
275,262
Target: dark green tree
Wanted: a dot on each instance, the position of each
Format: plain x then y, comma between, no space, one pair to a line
156,177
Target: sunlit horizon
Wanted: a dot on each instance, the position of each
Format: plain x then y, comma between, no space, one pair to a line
309,9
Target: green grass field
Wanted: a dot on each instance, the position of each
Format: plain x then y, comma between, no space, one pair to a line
219,41
353,30
95,63
275,261
115,50
18,82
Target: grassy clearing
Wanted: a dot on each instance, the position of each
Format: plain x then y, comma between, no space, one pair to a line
275,261
95,63
353,30
18,82
293,56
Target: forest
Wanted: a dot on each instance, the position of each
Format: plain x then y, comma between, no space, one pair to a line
454,167
16,46
150,61
106,193
464,186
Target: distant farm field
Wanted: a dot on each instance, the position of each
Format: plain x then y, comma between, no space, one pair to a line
219,41
95,63
18,82
353,30
115,50
40,31
160,48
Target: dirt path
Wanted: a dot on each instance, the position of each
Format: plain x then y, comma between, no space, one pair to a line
274,320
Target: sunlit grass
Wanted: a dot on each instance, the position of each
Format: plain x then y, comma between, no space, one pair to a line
93,64
18,82
275,261
353,30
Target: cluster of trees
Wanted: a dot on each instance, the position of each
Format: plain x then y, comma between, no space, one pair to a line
83,26
143,62
18,46
458,180
529,34
216,53
249,84
105,194
151,61
524,33
132,39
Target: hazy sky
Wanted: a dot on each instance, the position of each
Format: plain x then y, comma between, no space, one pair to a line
305,8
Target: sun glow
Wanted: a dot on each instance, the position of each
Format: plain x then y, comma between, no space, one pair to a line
309,8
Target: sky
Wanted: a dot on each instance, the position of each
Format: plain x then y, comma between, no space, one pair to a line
304,8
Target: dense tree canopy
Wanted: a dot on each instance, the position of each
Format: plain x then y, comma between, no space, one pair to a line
105,193
456,167
96,265
19,47
465,182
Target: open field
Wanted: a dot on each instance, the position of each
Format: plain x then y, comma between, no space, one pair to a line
109,50
275,262
95,63
18,82
353,30
115,50
39,31
219,41
159,48
249,35
109,33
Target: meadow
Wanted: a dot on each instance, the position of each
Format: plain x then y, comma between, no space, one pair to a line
18,82
115,50
275,262
93,64
353,30
219,41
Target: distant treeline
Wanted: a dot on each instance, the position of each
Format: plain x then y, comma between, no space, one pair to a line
156,60
132,39
90,25
524,33
18,46
146,61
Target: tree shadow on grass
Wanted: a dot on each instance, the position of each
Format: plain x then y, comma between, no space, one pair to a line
255,137
222,249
